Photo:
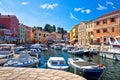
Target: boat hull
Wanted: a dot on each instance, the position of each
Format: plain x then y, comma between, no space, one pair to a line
93,73
110,55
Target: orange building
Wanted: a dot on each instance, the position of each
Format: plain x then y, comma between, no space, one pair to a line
107,25
40,36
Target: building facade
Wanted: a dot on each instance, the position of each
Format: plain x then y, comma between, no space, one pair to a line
12,23
74,34
5,36
82,34
107,25
22,33
41,36
89,32
28,34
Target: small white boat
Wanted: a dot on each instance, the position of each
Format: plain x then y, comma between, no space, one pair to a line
77,51
6,52
57,63
113,51
24,60
89,69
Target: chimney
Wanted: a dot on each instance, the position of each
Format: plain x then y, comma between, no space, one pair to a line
0,14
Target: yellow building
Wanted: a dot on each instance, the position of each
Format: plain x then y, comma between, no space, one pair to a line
74,34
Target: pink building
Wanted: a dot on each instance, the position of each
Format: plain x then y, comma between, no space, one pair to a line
12,23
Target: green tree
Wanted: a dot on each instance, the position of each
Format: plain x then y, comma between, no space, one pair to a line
54,28
58,29
40,28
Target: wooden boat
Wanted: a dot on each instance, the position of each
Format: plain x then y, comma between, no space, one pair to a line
6,52
89,69
57,63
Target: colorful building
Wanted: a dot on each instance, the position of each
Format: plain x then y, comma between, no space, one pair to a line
82,34
12,23
22,33
57,36
107,25
41,36
89,32
74,34
66,37
5,36
28,34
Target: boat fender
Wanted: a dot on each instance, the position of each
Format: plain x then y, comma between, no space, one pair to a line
100,65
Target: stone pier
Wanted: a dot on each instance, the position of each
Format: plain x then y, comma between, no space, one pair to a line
13,73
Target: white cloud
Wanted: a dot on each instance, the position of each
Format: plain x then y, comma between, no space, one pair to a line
73,17
114,7
77,9
109,3
100,7
24,3
49,6
88,11
82,10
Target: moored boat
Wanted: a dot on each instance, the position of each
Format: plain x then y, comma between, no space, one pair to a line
77,51
24,60
6,52
89,69
57,63
113,51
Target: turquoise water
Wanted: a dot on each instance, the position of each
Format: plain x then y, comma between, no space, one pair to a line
112,71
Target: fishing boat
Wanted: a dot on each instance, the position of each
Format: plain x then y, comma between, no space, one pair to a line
24,60
113,51
89,69
6,52
57,63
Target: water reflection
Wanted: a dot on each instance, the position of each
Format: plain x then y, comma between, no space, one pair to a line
112,71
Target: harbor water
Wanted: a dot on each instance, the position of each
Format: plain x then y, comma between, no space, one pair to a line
112,71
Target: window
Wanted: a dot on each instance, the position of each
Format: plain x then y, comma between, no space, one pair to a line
98,31
104,30
113,29
104,21
112,19
44,35
97,23
39,34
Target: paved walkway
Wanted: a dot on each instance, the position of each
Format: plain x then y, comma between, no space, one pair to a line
11,73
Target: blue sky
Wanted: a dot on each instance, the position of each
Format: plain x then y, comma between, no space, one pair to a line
62,13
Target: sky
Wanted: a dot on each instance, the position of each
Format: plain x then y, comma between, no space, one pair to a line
61,13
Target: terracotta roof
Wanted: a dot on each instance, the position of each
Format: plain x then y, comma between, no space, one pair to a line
111,13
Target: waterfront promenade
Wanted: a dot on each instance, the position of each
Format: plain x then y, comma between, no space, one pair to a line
12,73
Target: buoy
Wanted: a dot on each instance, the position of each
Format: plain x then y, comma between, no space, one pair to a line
101,65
